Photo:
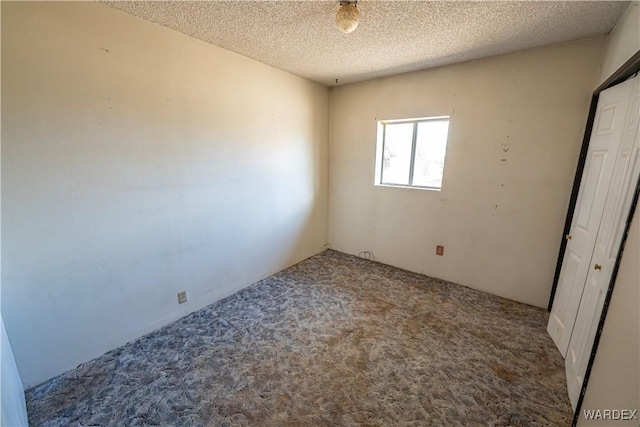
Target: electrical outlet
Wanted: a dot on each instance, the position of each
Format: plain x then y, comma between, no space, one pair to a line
182,297
440,250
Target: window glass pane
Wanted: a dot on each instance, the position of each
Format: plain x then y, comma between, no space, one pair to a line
431,146
396,158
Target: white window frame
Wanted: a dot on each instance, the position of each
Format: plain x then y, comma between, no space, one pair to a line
380,151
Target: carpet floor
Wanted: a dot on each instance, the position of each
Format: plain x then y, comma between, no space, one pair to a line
335,340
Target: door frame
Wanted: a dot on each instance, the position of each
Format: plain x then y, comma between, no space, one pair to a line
628,69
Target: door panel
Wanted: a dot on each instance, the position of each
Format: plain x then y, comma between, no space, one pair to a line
580,347
593,179
568,285
606,120
611,122
635,113
619,197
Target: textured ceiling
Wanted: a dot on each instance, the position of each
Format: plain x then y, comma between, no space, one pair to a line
393,36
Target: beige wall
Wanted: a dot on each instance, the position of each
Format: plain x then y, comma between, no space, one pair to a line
615,376
516,127
138,162
623,41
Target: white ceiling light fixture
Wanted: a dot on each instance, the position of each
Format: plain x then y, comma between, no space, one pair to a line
348,16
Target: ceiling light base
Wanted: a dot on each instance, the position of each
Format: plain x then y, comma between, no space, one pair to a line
348,16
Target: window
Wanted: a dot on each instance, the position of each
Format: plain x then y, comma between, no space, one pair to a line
410,152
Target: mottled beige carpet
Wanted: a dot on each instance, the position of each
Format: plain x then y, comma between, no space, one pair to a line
333,341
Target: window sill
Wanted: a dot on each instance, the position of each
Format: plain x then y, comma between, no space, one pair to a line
409,187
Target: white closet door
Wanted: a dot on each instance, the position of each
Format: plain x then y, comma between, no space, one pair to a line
609,126
618,203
